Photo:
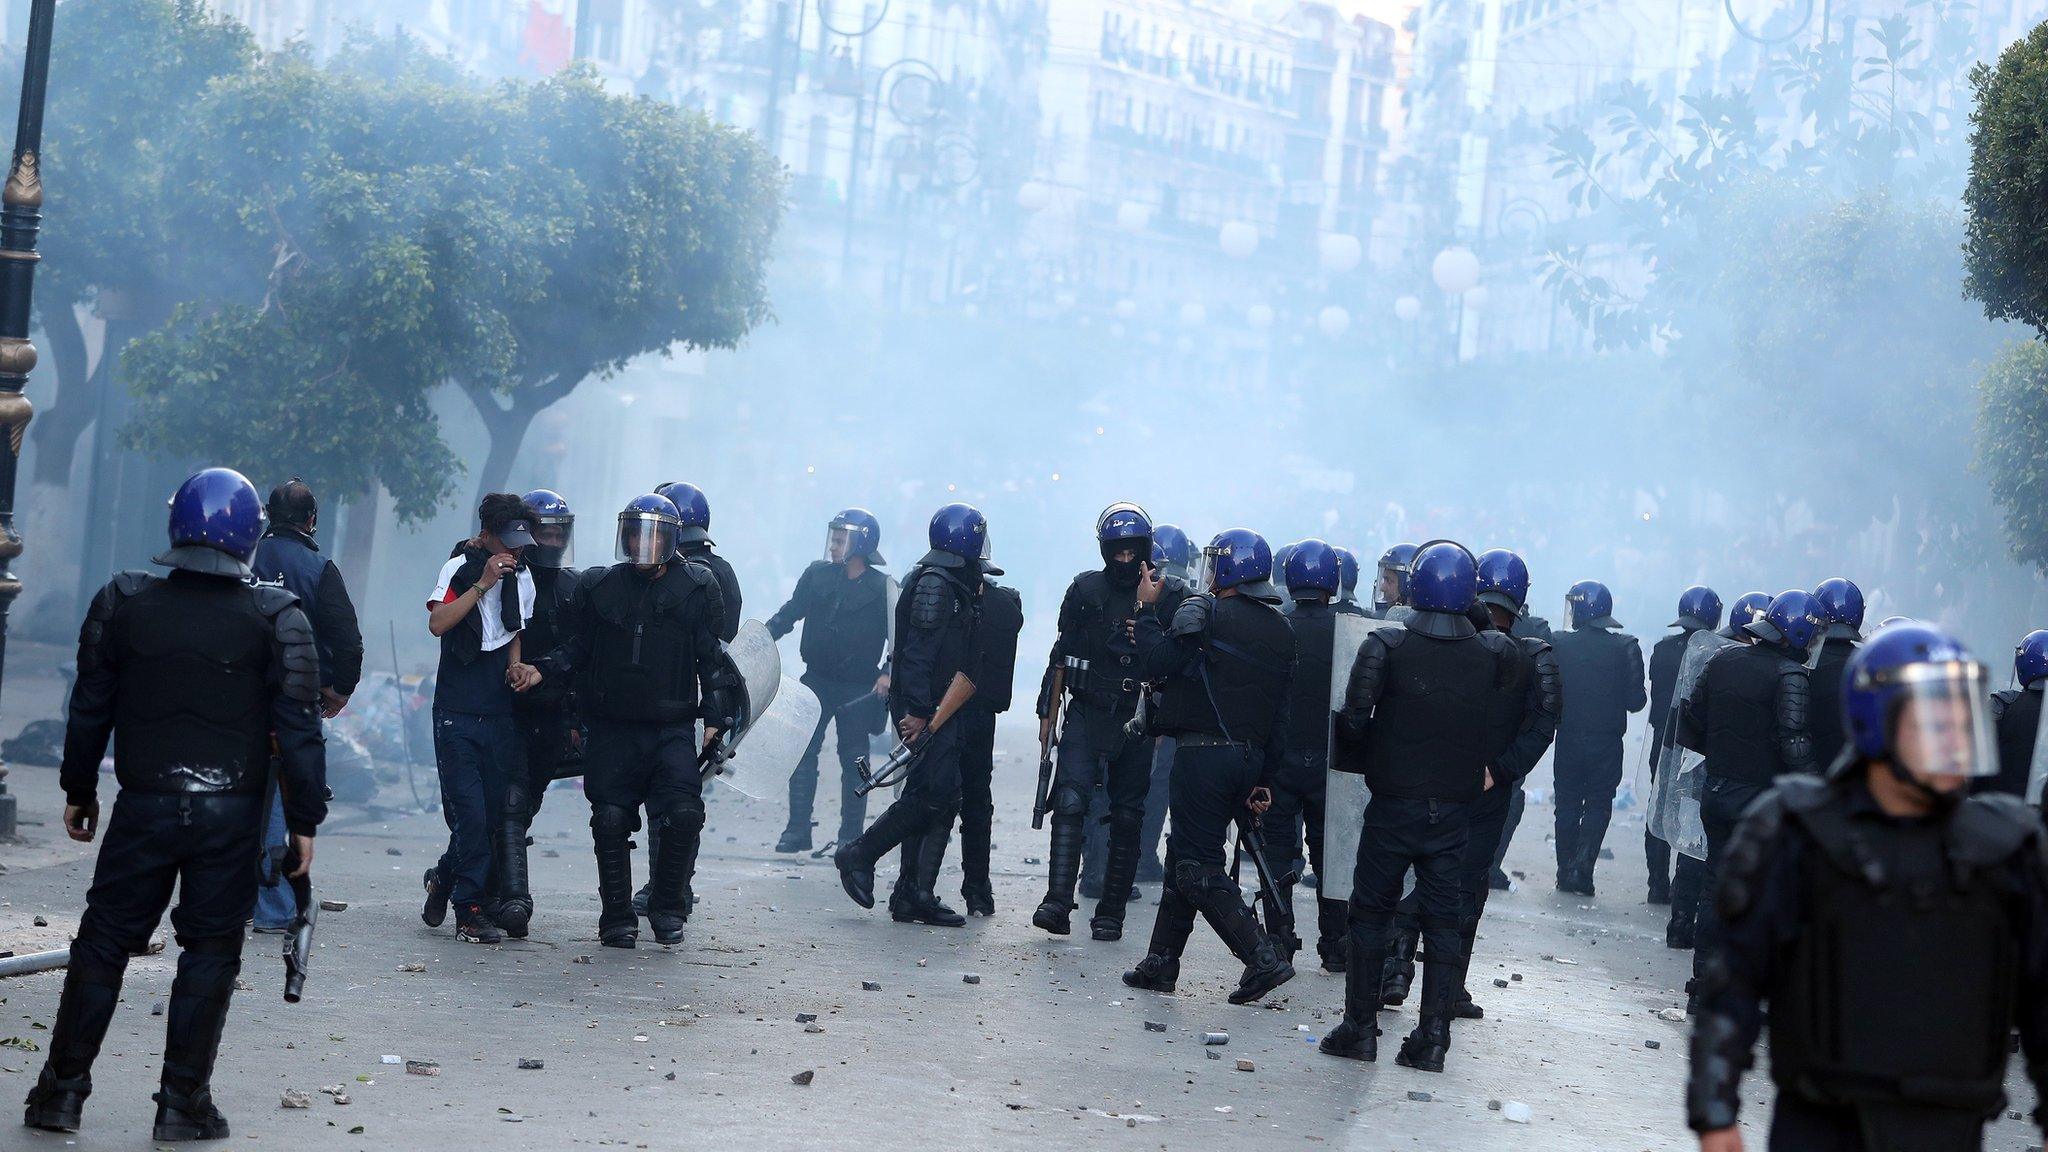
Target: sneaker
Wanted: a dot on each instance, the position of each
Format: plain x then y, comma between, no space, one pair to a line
476,928
436,909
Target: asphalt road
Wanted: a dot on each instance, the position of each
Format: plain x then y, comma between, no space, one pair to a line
698,1045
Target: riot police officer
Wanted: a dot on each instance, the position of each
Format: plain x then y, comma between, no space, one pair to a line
1390,586
1841,602
193,675
935,637
1602,667
1420,720
1699,609
1347,603
1224,661
642,637
999,619
1749,608
843,602
1298,782
1527,715
1090,672
1892,930
693,542
1173,554
1748,716
2017,713
550,731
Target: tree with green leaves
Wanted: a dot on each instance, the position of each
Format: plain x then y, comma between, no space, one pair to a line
2012,427
2007,249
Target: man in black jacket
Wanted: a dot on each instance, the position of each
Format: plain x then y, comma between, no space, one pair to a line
1699,609
998,621
1841,602
935,635
694,543
1748,716
2017,713
288,558
1421,720
1313,580
643,638
1224,663
192,675
843,603
1602,669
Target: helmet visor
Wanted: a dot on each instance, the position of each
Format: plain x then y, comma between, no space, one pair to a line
1941,722
646,538
839,544
554,539
1206,564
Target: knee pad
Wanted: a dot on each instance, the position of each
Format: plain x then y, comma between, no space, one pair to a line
1068,800
1195,881
515,801
685,817
611,822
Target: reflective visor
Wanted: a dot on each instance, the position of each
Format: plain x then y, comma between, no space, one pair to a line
1941,721
554,542
646,538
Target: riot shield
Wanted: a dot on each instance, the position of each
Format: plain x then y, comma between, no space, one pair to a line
1345,794
1681,772
757,756
2037,771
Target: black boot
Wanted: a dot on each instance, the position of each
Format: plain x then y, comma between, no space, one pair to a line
1357,1037
1160,968
1425,1048
1286,938
1397,968
435,910
1678,931
931,856
975,889
803,794
193,1023
611,830
856,858
1657,855
92,987
903,895
514,908
640,898
1331,918
1120,871
853,807
668,882
1063,870
1462,1006
1215,895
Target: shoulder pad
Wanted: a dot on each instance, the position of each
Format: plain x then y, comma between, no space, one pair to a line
1534,645
1193,616
1090,582
931,599
1391,638
121,587
816,565
1172,584
272,599
128,583
1499,643
701,573
299,679
1990,827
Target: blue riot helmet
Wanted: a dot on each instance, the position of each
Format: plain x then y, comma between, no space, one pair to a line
1280,557
1443,576
1347,574
854,532
959,537
216,519
1588,604
1238,558
1124,527
1311,567
1172,551
1749,608
692,507
1914,697
554,529
648,530
1794,620
1841,601
1504,581
1698,607
1392,587
2030,659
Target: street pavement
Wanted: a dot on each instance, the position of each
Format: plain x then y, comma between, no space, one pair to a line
700,1045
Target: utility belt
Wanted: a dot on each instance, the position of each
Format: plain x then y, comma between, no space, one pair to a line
1090,686
1209,740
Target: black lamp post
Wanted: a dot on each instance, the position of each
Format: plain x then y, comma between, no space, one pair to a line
21,203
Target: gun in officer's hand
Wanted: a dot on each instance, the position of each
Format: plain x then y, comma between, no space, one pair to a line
1041,801
298,935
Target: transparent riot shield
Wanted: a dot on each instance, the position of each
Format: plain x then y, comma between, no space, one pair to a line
758,755
1345,794
1681,772
2037,771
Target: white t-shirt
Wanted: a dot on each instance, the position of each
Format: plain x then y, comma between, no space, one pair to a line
495,636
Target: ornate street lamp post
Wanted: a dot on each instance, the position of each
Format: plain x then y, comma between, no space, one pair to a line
21,203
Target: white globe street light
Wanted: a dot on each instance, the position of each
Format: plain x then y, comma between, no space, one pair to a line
1033,196
1407,308
1333,321
1455,270
1339,252
1238,239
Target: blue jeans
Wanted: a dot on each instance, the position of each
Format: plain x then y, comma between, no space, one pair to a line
475,756
275,906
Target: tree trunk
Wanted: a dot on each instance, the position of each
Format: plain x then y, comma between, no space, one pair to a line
507,423
358,541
